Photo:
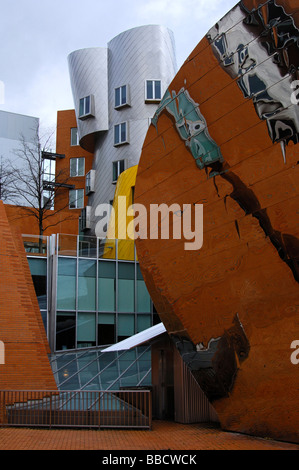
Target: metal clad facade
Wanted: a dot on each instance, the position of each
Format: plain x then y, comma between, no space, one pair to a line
131,58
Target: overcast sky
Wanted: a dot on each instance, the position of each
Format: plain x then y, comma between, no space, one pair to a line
36,37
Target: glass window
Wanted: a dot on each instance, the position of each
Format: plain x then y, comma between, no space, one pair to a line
126,270
153,90
49,169
106,328
48,201
121,96
85,106
87,285
143,322
125,295
66,284
117,168
89,182
77,167
65,330
121,133
106,286
126,326
38,269
143,297
74,136
76,198
86,330
126,288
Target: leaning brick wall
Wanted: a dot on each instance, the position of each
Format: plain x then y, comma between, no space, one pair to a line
26,365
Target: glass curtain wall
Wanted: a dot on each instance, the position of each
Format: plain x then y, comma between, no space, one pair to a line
39,272
94,370
101,299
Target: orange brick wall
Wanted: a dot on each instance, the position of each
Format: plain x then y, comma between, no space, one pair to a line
65,121
59,222
26,364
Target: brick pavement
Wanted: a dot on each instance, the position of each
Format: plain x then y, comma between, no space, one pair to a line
163,436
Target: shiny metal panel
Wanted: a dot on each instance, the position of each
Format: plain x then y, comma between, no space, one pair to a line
89,76
131,58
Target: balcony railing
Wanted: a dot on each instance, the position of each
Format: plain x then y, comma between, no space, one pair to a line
76,409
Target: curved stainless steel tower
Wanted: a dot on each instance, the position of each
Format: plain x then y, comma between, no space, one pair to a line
116,91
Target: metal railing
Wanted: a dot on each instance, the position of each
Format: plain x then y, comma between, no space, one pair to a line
80,409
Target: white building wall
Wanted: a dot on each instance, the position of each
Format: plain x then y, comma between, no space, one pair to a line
13,129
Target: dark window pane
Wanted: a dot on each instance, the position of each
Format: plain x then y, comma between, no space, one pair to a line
123,132
149,90
123,94
117,97
65,331
106,334
116,134
87,105
157,89
81,110
115,172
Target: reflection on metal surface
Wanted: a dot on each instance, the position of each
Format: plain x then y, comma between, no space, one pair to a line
191,126
235,98
245,58
215,367
262,53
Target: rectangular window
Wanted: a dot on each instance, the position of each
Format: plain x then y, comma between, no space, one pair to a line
87,285
117,168
153,90
76,198
126,291
121,133
38,269
126,326
86,107
143,322
49,169
106,328
48,202
121,96
106,286
86,330
74,136
77,167
84,223
65,330
143,297
89,182
66,284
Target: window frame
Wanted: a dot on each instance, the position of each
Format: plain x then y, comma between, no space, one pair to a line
121,141
154,99
118,168
77,167
89,182
87,111
77,137
77,198
122,102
